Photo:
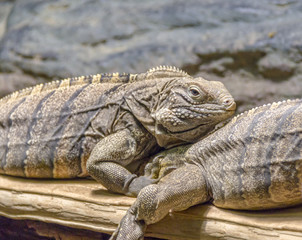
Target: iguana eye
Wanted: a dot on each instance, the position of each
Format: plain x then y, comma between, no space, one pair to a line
195,92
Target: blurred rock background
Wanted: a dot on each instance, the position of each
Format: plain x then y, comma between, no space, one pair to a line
254,47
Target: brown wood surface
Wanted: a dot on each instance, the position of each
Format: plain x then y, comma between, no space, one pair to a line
85,204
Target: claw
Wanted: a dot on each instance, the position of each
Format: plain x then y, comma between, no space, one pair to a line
129,228
138,184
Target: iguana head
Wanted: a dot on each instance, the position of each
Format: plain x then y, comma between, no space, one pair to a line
177,108
188,108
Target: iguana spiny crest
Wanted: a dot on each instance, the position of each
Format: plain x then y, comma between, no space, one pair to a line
157,72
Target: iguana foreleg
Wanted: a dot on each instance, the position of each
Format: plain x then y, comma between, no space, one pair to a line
107,163
182,188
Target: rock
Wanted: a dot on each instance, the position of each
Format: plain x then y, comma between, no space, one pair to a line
277,67
5,9
218,67
61,38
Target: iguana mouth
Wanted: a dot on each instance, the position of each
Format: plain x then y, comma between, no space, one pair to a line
163,130
204,110
189,129
168,139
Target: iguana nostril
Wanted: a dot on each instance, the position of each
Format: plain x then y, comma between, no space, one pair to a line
230,104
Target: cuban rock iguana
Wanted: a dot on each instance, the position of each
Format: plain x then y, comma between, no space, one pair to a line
105,124
254,162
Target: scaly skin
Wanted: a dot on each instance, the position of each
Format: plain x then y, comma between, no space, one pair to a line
254,162
106,123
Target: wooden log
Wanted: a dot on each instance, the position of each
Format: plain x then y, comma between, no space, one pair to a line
85,204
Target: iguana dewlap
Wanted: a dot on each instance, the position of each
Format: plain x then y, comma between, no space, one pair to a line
104,123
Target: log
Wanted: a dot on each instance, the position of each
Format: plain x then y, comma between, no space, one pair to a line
85,204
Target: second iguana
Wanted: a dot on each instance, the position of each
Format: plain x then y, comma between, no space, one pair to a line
106,124
254,162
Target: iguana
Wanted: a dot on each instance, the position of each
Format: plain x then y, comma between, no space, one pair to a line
254,162
103,125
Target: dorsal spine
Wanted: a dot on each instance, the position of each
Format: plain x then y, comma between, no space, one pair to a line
158,72
273,104
68,82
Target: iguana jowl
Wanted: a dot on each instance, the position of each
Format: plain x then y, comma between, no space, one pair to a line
107,121
254,162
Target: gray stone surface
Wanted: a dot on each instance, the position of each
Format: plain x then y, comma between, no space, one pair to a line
255,47
5,9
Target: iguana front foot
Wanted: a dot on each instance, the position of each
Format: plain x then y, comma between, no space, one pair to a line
180,189
109,158
129,228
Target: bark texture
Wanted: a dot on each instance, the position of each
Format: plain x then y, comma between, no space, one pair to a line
85,204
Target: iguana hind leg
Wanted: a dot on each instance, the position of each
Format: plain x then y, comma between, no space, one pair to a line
177,191
108,159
